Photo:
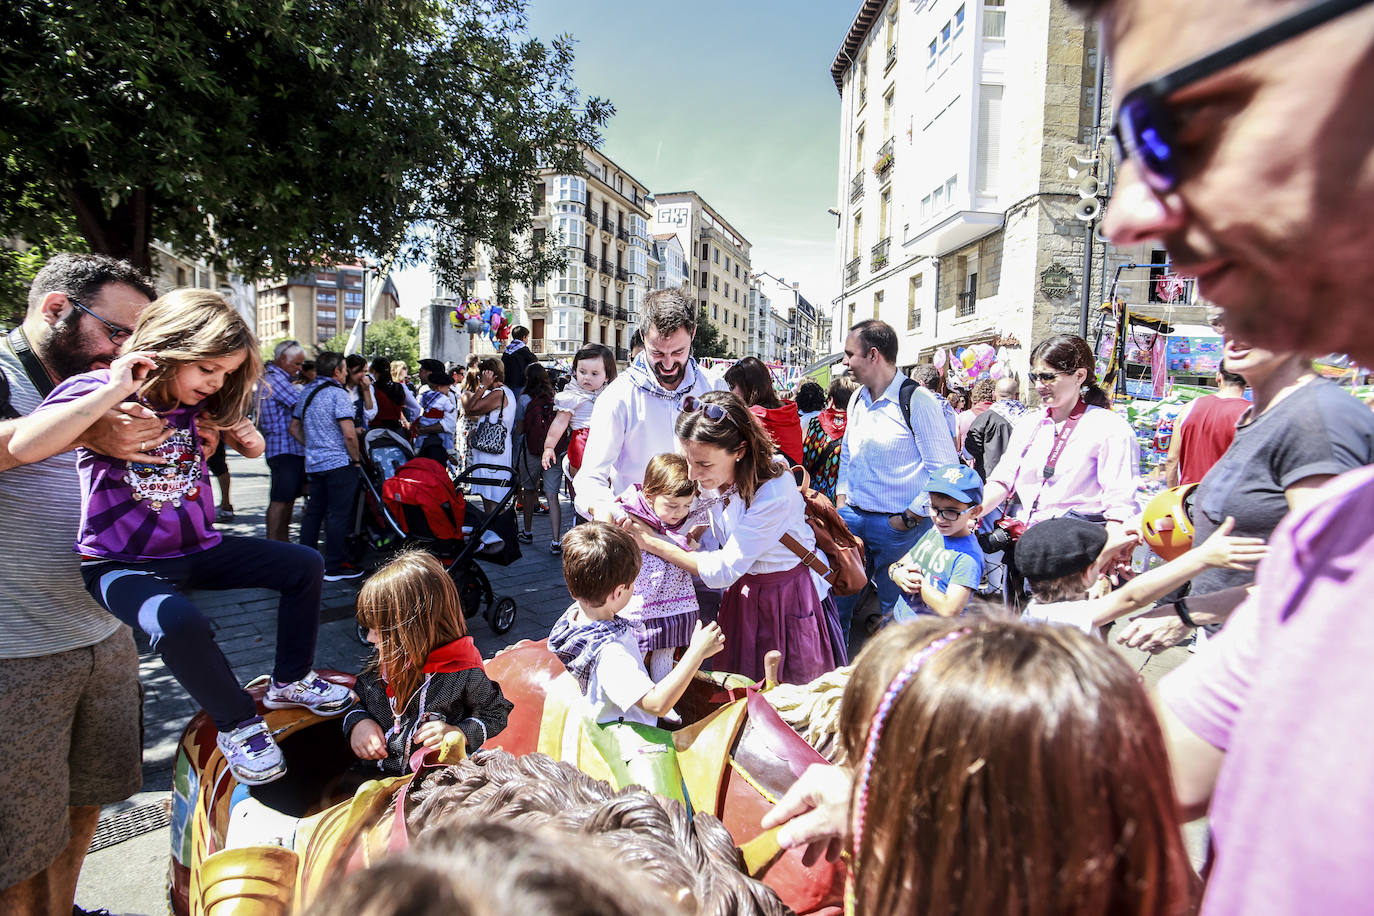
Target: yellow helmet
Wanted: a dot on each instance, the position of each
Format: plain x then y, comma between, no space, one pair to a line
1173,540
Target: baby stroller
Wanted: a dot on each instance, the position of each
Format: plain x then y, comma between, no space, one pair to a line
414,502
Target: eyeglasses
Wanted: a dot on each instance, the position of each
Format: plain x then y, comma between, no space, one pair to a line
1145,124
692,404
1046,377
947,515
118,334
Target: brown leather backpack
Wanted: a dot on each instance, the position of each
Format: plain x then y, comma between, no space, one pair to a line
843,566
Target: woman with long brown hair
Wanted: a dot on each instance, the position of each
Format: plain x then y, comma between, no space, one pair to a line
771,601
997,767
750,381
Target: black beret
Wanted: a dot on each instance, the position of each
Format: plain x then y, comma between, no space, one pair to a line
431,365
1059,547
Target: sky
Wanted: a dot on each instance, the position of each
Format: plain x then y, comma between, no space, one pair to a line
732,100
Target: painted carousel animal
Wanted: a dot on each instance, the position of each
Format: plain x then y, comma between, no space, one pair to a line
272,849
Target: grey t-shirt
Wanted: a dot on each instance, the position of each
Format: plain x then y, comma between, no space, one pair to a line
1318,429
44,607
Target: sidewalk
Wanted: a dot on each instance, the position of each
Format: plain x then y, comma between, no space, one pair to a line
127,867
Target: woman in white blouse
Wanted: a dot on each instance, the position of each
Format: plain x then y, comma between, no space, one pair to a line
771,600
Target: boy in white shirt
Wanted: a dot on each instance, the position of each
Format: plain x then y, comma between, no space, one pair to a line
1063,560
599,648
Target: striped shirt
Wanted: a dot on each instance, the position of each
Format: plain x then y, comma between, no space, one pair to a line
276,402
884,465
44,607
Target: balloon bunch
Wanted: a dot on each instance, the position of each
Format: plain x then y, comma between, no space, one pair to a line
968,364
494,323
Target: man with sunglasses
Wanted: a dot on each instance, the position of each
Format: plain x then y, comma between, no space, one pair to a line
69,669
1249,151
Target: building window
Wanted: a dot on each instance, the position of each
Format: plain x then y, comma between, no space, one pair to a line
888,101
994,20
877,304
925,207
968,298
913,308
737,270
989,137
715,283
326,297
715,255
958,21
858,232
705,251
715,313
950,187
863,79
727,263
727,291
859,150
353,297
930,64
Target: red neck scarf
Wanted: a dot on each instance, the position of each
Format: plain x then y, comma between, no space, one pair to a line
832,421
459,655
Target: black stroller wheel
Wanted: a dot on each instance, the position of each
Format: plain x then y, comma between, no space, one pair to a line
469,594
501,616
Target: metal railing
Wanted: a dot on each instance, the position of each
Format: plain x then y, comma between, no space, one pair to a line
856,186
621,354
622,233
606,310
592,219
884,164
589,304
589,259
607,267
966,304
621,314
537,344
879,253
891,56
622,275
851,272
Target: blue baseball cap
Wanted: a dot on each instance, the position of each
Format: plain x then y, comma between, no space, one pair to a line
957,481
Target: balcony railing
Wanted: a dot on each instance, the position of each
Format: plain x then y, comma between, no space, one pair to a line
589,259
622,275
966,304
880,252
883,166
592,219
607,310
607,267
622,355
851,272
622,314
891,57
863,96
537,344
856,186
705,232
622,233
589,304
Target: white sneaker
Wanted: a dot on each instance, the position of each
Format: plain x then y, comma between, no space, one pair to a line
252,753
313,692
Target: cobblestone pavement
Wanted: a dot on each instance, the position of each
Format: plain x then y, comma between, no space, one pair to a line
127,874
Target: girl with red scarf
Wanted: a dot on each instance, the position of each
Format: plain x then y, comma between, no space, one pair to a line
821,444
427,678
751,382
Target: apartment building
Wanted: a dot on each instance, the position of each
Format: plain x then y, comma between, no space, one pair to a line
798,320
959,221
717,259
673,271
316,306
601,222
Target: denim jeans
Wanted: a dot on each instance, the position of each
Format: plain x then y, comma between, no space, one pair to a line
883,546
330,501
149,596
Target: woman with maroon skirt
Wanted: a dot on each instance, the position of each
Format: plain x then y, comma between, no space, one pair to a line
771,600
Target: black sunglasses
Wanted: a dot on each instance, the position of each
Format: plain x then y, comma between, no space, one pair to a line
118,334
1044,376
1146,126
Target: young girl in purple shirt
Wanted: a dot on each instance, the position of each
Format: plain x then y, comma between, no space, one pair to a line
147,527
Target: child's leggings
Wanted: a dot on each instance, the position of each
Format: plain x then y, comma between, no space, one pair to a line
148,596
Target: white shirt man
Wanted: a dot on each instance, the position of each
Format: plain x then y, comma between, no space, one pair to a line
634,417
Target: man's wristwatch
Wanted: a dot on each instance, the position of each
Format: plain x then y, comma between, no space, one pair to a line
909,519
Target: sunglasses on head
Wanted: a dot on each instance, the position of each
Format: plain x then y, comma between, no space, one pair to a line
1146,125
692,404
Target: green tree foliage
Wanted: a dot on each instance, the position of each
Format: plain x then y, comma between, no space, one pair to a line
708,341
277,135
395,338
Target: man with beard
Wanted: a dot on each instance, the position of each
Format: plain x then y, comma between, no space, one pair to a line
633,419
1255,167
72,706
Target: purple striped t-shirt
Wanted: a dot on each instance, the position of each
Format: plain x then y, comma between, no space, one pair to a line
132,511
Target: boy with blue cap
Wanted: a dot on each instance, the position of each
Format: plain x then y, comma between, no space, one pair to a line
943,570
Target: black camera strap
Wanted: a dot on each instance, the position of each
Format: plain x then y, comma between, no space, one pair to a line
32,365
1060,440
